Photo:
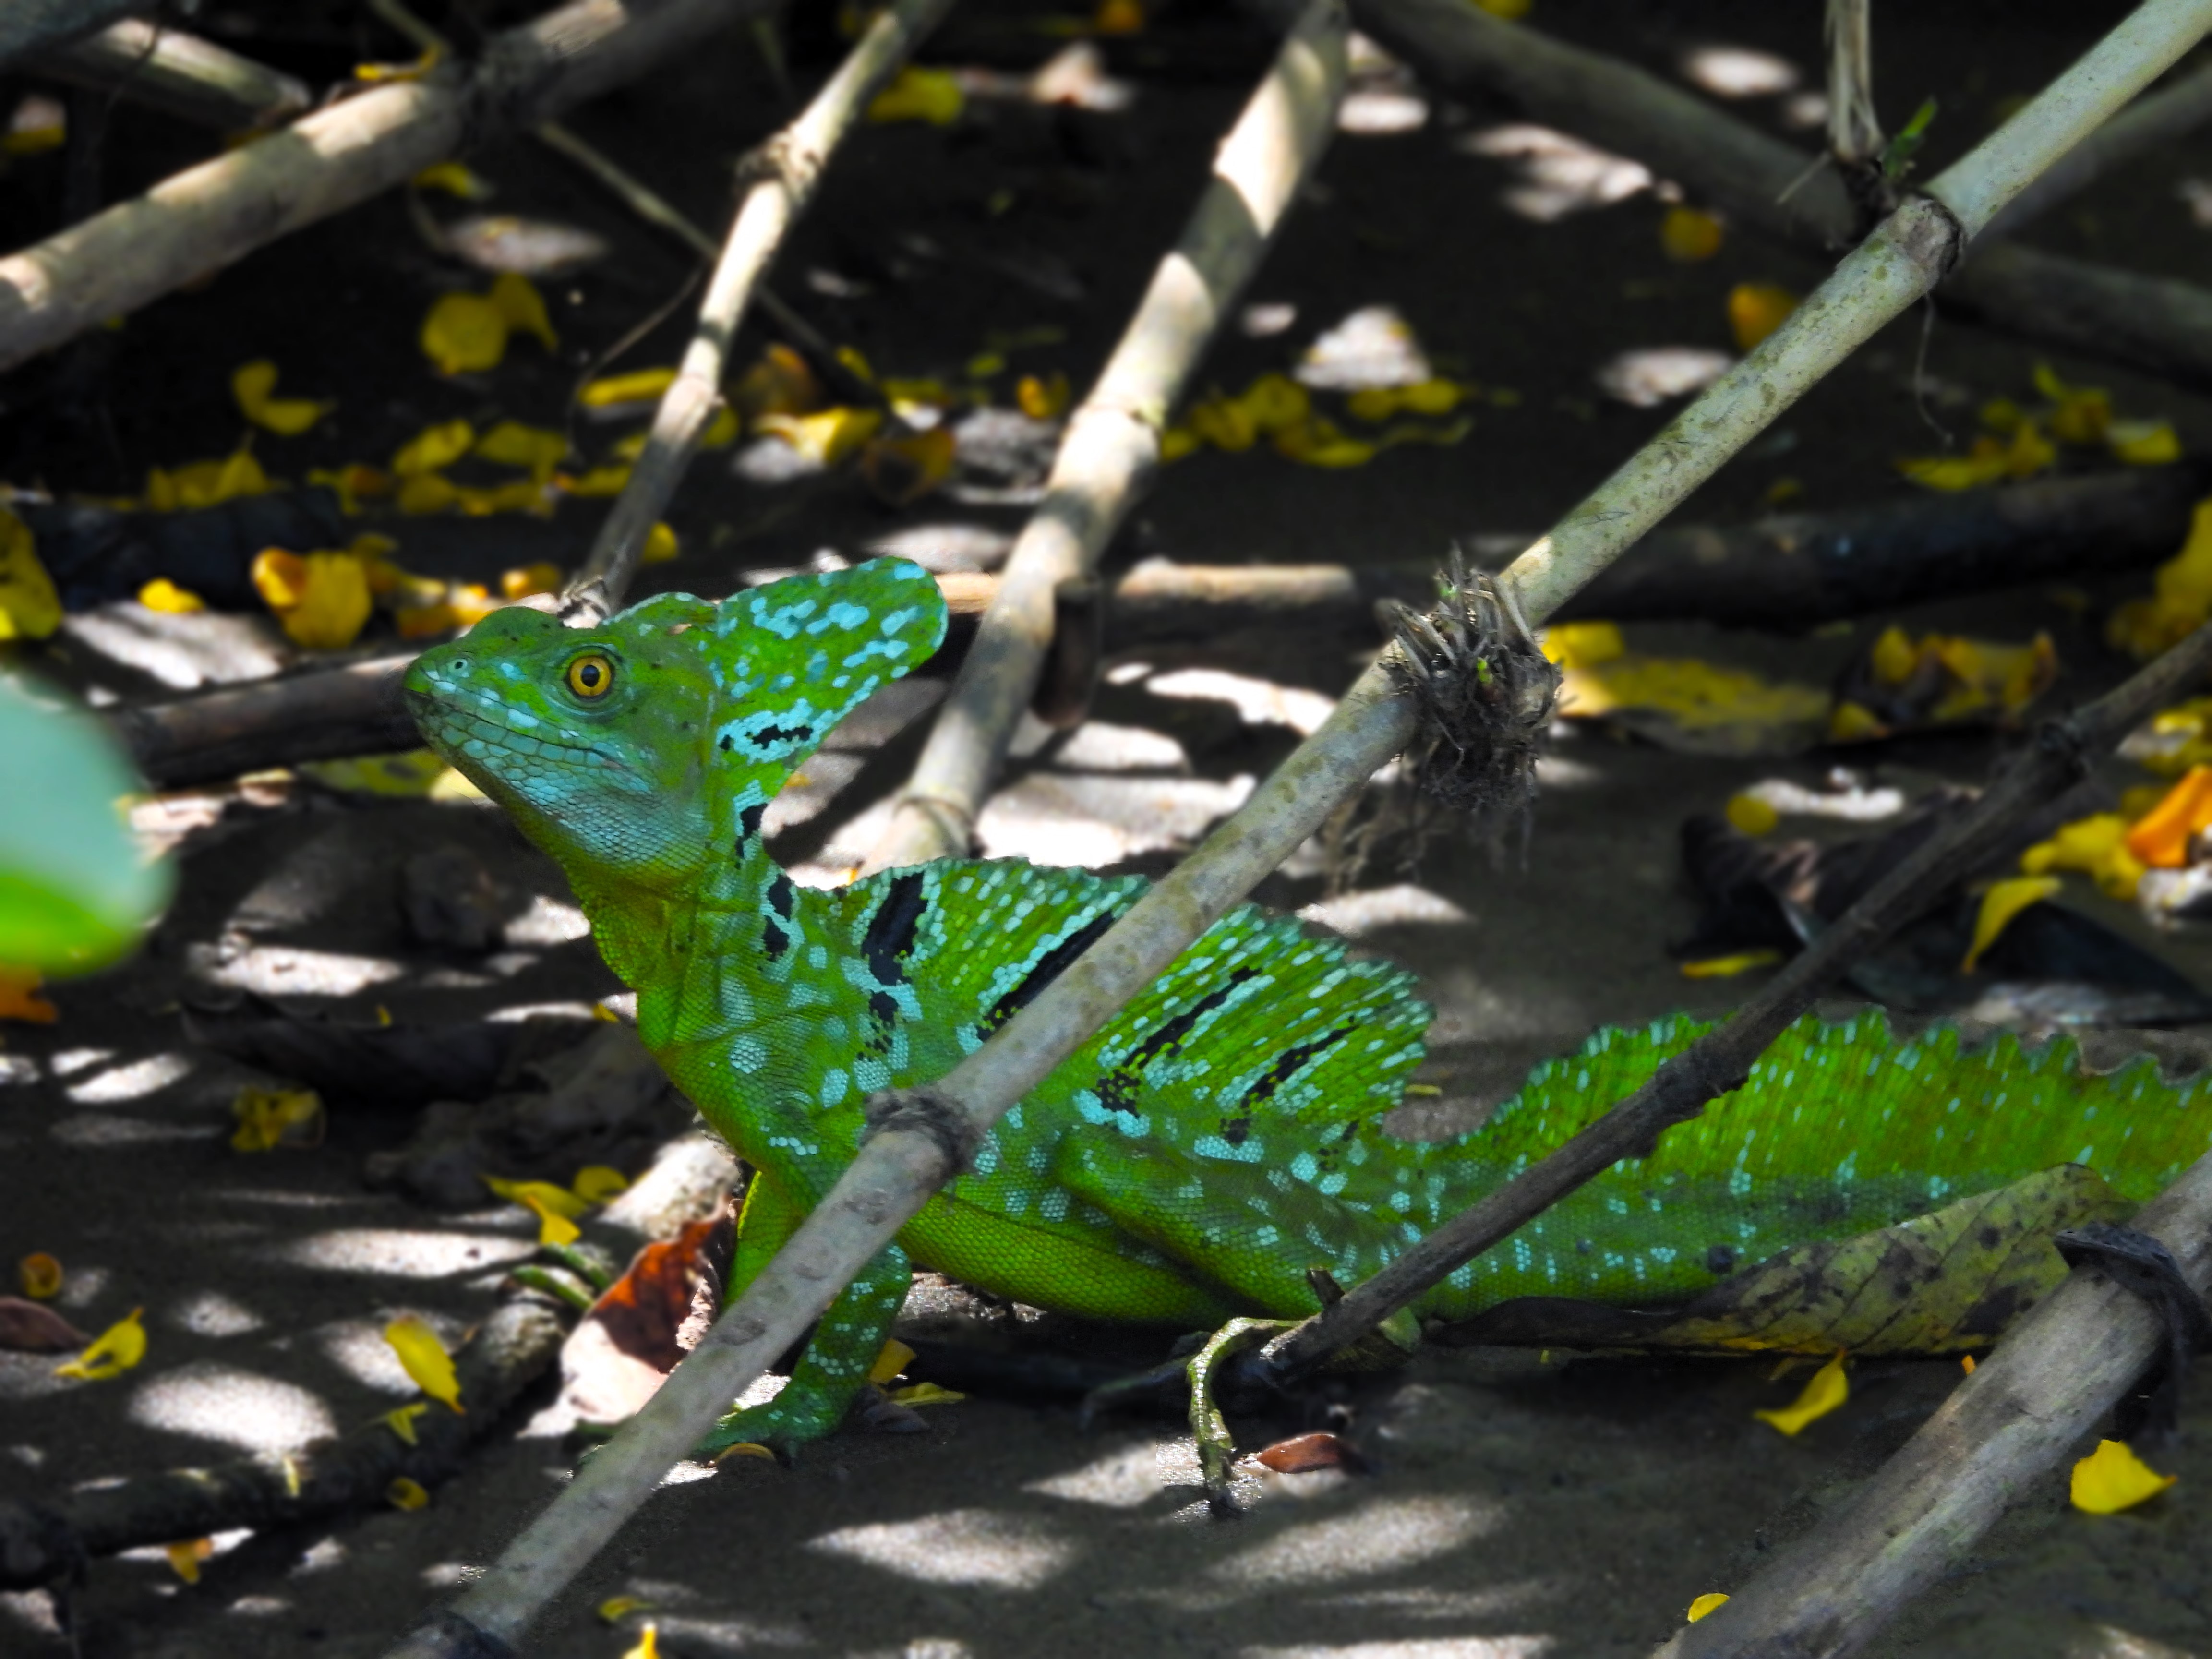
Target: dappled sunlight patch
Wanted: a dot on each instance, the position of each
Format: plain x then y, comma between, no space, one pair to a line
1403,904
1257,701
1728,71
1051,817
405,1252
1644,377
1101,746
1556,175
982,1548
233,1407
213,1314
1384,1536
133,1080
290,971
1125,1479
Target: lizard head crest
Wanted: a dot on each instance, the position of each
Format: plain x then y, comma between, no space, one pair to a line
635,749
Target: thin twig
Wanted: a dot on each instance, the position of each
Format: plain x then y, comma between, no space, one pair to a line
2157,325
787,167
1113,442
1720,1061
1854,129
2027,1406
896,1171
194,223
2144,128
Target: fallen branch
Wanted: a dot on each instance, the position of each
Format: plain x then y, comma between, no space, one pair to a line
2157,325
178,74
2027,1404
1717,1062
42,1544
786,169
922,1137
1112,443
29,25
194,223
2144,128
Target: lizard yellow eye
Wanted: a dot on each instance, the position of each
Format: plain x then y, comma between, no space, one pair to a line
591,676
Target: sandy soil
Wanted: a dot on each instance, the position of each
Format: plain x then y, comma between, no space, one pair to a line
1519,1504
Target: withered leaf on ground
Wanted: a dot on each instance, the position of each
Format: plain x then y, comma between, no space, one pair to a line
648,1320
27,1327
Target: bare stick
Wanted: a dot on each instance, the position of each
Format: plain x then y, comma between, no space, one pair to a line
29,25
178,74
40,1544
202,219
1720,1061
1854,129
786,169
2161,327
2027,1406
896,1171
1113,442
2144,128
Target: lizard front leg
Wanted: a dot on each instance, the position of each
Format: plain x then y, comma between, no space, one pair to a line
844,1345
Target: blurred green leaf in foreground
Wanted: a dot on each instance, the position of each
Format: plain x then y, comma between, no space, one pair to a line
75,890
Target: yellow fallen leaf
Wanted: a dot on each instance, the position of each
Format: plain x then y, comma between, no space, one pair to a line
1177,442
535,448
406,776
647,1645
185,1555
600,482
1828,1389
523,495
1043,400
165,596
559,1199
2144,443
2003,902
1510,11
660,545
891,1362
2182,597
1706,1604
2113,1478
745,1449
30,608
1118,17
464,333
351,483
426,493
19,999
2097,846
595,1183
455,180
1729,966
902,470
114,1351
1751,815
615,1609
1755,310
925,1393
517,299
722,431
780,382
919,94
269,1118
320,598
424,1358
401,1421
1688,235
521,583
381,73
253,385
49,135
1318,442
1966,1364
2160,838
434,448
1223,422
639,386
1584,645
39,1274
1431,397
406,1494
2079,414
828,437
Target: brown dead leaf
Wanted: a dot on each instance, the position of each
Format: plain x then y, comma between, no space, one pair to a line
1303,1453
27,1327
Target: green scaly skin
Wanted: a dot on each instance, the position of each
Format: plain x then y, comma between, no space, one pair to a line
1221,1136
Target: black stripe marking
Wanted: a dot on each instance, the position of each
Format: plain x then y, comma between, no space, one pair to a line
1117,1090
1049,967
1234,1129
773,941
749,823
891,930
779,897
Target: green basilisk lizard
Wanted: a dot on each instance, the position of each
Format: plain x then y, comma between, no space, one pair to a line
1221,1136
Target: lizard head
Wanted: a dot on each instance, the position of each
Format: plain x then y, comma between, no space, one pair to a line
638,749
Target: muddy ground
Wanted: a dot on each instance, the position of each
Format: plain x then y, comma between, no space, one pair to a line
1519,1504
